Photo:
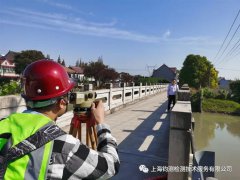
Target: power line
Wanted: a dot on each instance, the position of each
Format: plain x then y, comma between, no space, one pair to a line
230,53
236,45
228,43
227,34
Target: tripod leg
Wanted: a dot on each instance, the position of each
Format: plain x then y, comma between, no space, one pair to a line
95,134
87,135
92,137
74,133
71,129
80,131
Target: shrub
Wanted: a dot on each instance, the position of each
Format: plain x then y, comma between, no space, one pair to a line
208,93
13,87
221,106
195,101
222,94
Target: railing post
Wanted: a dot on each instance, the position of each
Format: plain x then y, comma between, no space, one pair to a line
123,85
132,85
109,86
179,138
146,89
140,90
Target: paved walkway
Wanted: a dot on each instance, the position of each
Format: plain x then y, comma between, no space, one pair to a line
142,133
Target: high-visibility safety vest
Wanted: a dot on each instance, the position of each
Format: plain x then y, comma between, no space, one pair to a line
33,165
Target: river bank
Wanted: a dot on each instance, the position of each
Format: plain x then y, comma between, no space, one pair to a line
221,106
200,103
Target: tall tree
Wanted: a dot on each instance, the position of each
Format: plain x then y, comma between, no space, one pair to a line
77,63
59,59
101,72
63,63
126,77
24,58
198,72
93,69
108,75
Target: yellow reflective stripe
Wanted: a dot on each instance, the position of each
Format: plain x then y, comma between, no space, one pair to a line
17,173
45,161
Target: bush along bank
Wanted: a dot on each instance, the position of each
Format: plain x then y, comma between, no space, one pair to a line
210,101
221,106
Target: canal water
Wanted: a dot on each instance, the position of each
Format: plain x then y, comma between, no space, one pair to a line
220,133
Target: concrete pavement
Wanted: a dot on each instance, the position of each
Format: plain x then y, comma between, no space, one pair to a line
142,133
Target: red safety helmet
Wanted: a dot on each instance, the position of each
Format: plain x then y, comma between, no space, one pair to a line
45,79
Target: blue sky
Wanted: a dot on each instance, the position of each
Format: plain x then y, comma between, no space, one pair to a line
131,35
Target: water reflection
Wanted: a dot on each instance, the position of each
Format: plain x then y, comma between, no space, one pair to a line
221,134
207,124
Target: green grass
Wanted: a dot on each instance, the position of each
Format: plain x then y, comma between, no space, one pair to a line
221,106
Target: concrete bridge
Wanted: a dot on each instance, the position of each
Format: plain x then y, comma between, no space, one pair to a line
147,142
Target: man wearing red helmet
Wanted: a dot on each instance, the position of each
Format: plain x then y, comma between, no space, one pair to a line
33,147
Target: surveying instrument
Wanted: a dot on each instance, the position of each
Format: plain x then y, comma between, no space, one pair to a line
82,115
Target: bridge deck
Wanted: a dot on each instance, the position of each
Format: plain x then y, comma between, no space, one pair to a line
142,133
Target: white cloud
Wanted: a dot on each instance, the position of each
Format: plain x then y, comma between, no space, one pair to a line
166,34
67,23
56,4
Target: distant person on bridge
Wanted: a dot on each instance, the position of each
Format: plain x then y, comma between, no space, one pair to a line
171,93
33,147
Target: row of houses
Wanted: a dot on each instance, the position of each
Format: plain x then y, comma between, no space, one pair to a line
7,68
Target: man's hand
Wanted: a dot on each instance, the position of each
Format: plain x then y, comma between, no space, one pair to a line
98,111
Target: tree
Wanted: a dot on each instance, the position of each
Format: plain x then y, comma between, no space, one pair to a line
77,63
24,58
93,69
108,75
198,72
126,77
63,63
101,72
148,80
59,59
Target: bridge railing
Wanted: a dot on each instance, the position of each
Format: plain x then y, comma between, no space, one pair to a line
112,97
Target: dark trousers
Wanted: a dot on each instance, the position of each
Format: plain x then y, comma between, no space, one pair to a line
171,99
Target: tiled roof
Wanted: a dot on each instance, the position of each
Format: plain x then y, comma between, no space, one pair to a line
77,70
11,55
4,59
173,69
70,71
